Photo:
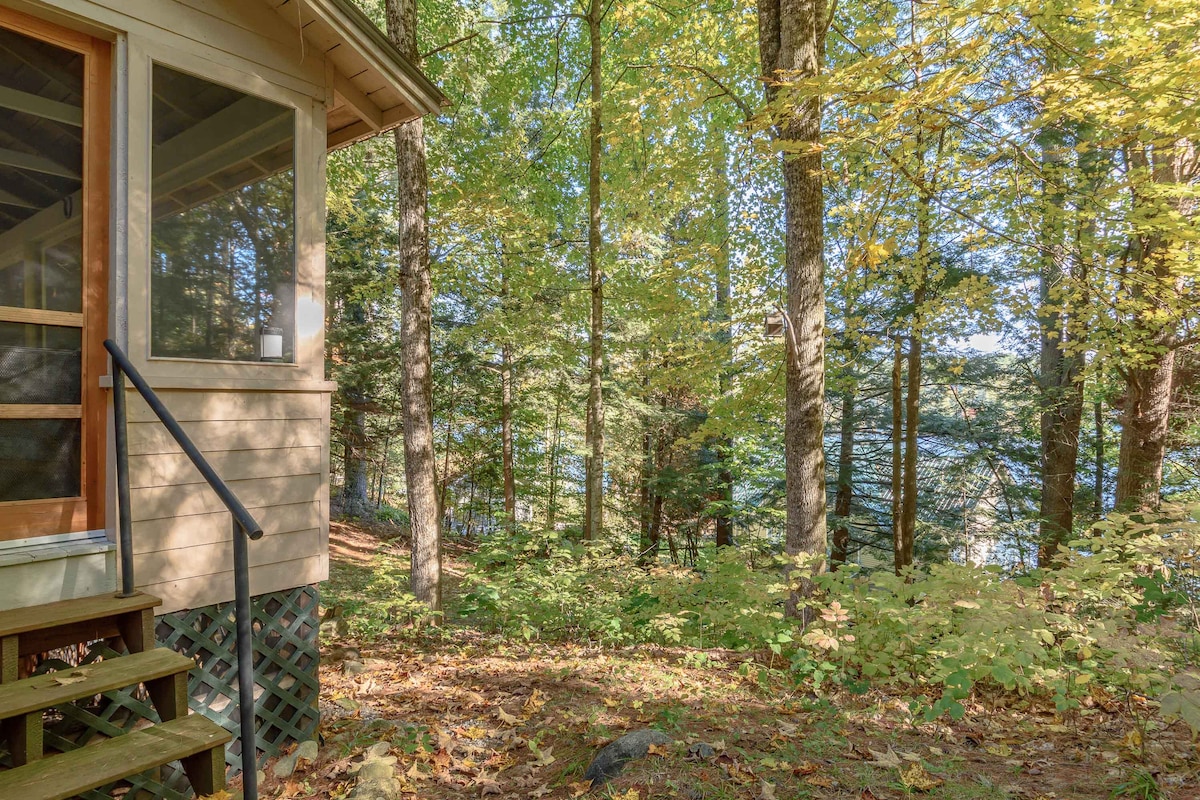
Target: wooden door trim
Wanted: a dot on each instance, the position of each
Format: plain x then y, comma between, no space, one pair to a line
23,519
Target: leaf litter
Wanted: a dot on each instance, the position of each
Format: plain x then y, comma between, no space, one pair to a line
471,715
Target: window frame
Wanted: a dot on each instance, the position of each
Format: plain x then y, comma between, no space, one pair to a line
295,168
134,321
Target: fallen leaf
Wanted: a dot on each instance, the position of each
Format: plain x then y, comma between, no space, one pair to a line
544,759
766,791
632,794
579,789
75,676
540,791
916,777
658,750
806,768
888,760
534,703
999,750
820,781
505,717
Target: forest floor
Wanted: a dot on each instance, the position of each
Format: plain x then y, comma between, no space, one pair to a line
469,714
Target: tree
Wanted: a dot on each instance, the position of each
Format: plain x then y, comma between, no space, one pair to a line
416,310
593,504
792,48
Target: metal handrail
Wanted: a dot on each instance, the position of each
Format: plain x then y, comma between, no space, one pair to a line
244,527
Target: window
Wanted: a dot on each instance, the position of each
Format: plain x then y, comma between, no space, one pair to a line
223,256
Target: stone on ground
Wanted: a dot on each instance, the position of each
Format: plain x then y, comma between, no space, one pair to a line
612,759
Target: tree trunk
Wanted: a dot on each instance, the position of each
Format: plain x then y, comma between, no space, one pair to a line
556,434
843,500
723,521
355,500
1144,426
1148,386
645,490
1061,389
792,45
415,318
897,451
593,511
1098,489
506,435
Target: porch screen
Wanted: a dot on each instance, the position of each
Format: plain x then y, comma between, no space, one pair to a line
223,277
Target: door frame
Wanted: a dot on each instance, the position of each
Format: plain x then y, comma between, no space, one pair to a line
24,519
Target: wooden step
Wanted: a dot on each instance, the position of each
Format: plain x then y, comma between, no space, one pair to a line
22,702
195,740
28,631
45,691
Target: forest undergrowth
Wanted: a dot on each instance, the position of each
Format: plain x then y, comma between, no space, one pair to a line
960,683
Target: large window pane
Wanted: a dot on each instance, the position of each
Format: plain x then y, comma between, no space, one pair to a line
223,227
39,458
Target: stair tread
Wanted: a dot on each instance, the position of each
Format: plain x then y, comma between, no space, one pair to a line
44,691
58,777
65,612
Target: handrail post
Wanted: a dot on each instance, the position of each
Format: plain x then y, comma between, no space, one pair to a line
245,653
121,442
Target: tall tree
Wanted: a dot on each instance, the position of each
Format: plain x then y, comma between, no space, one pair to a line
593,506
415,314
791,49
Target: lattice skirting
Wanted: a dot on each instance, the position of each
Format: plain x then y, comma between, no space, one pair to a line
286,659
286,691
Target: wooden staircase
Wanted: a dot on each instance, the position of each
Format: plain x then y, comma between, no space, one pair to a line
195,741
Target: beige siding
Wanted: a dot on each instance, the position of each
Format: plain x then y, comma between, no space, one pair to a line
207,589
272,449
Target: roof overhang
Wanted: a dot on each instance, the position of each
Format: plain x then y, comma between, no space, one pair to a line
374,88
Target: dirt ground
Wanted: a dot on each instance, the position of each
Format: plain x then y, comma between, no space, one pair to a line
467,714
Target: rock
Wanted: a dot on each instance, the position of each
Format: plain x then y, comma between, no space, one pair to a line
377,776
612,759
701,751
285,766
341,653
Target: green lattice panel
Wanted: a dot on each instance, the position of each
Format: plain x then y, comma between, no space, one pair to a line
285,665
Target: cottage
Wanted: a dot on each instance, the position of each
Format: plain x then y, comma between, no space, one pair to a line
162,187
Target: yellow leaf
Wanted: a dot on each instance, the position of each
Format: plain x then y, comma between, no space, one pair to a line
579,789
918,778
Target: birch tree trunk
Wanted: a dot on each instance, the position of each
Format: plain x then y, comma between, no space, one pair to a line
415,313
792,45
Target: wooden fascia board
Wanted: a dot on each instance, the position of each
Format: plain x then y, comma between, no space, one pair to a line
352,26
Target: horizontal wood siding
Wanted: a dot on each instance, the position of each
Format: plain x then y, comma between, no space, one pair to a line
272,449
209,589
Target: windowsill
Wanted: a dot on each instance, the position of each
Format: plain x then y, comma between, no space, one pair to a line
232,384
46,548
218,361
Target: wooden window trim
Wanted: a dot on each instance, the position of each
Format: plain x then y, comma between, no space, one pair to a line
27,518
